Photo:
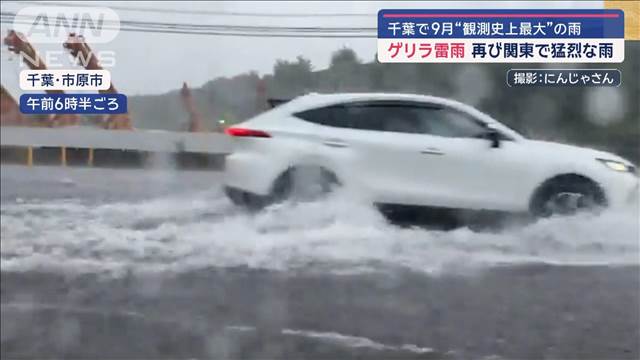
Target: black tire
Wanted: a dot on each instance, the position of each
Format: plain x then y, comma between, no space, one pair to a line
303,184
245,199
567,195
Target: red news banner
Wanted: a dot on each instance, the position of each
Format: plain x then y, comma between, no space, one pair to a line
501,36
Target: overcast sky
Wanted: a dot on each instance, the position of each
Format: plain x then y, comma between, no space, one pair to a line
148,63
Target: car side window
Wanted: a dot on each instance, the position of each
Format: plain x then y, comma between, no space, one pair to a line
447,122
397,117
381,118
366,117
412,119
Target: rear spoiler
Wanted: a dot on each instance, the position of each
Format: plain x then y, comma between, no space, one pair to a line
277,102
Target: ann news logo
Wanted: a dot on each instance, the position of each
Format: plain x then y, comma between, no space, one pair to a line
52,24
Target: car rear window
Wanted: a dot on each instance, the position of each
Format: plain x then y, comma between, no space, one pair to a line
328,116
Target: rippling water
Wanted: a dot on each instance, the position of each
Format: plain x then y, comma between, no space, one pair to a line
160,248
203,229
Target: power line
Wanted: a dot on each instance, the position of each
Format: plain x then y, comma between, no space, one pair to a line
241,34
216,33
220,30
202,12
156,24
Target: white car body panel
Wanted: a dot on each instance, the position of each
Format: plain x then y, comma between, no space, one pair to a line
414,169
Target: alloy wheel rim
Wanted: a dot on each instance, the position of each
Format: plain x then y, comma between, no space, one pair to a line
565,203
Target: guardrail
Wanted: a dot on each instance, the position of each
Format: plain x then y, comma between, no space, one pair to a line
78,146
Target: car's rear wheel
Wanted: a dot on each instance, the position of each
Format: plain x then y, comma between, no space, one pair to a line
567,195
245,199
304,183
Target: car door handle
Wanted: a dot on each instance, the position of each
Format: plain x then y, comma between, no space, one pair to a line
432,151
335,143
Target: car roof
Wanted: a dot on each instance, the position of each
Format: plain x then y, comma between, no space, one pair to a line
315,100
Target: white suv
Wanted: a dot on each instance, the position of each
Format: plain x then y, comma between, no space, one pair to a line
403,149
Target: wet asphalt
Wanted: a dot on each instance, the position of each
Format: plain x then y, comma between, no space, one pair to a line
510,312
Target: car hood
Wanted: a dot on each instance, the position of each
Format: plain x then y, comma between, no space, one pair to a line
557,149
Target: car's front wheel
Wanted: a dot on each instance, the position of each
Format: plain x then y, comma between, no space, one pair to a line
567,195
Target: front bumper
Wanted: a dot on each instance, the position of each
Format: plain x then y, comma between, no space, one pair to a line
634,195
623,191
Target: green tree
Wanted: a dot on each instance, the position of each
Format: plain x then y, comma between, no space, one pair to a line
346,70
344,57
294,76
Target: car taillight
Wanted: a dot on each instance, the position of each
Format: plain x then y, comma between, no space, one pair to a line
242,132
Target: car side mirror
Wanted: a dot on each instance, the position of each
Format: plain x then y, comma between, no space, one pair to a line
494,137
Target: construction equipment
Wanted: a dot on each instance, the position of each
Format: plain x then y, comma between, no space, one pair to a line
79,48
10,114
18,44
195,120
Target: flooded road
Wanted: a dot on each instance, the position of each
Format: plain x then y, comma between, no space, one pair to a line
101,263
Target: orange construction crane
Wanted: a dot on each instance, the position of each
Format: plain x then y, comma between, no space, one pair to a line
195,120
78,47
10,114
18,44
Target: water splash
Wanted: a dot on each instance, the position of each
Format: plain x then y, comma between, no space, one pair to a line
338,235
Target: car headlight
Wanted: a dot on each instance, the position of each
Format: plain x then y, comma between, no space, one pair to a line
617,166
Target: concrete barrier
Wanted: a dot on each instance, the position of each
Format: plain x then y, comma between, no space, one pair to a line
113,148
141,140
